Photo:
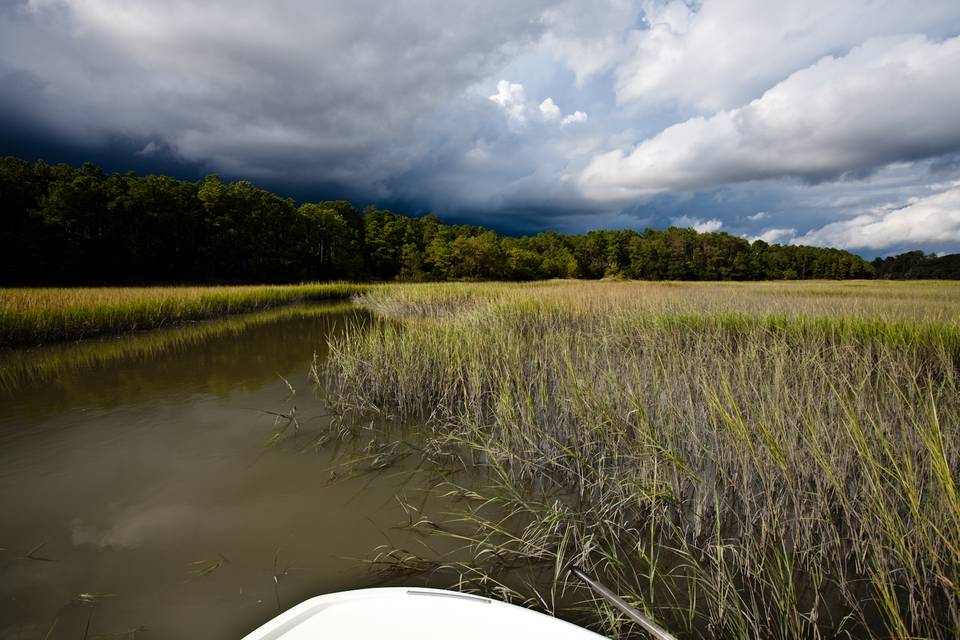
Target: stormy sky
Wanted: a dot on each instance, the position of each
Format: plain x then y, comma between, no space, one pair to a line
815,122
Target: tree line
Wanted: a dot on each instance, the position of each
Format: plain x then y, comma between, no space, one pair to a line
918,265
62,225
65,225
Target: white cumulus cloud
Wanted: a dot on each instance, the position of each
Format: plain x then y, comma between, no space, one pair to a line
933,219
718,54
574,118
549,109
891,99
774,236
512,98
697,224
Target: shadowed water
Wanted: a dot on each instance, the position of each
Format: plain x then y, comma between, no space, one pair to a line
146,495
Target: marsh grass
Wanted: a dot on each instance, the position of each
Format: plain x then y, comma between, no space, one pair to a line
35,316
19,367
760,460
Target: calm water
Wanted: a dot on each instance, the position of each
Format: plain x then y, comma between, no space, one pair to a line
142,495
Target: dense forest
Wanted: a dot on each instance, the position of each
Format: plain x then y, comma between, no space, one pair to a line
917,264
64,225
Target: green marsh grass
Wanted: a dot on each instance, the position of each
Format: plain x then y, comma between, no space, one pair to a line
19,367
774,460
34,316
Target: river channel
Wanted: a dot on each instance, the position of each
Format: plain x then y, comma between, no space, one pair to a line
151,486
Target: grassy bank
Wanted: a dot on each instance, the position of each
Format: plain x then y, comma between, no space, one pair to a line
35,316
741,460
32,367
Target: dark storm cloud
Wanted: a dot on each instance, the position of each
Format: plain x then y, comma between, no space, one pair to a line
290,89
519,114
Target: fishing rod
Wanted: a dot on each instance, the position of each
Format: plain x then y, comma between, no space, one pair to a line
649,625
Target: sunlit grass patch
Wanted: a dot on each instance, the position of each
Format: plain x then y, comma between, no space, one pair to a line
33,316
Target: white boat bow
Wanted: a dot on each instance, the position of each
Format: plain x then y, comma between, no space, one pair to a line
400,612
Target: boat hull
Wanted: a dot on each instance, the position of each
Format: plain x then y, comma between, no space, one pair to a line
399,612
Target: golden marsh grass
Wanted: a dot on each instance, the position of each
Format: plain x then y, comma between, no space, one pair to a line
34,316
774,460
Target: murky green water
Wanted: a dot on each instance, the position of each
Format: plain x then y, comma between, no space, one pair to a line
141,494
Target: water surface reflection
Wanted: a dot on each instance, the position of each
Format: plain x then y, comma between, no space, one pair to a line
141,496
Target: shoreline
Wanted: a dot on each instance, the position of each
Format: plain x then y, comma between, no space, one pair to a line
44,316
